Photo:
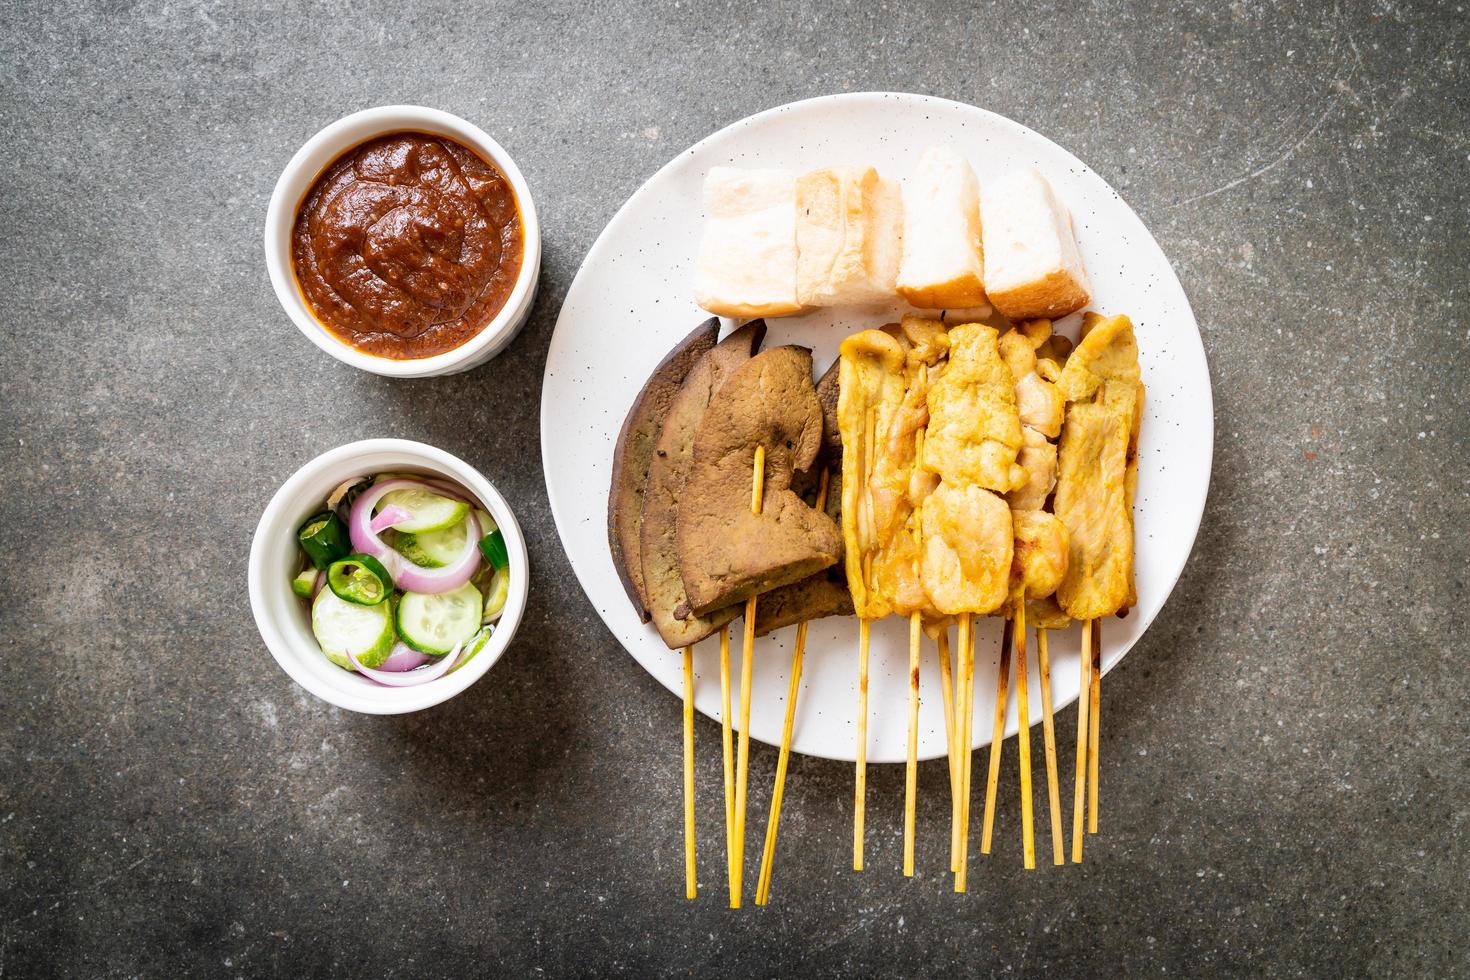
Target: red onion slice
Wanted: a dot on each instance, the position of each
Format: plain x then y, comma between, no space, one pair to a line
321,583
403,658
411,678
407,575
387,517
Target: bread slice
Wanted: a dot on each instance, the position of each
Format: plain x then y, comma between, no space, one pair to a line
1032,266
747,258
849,229
942,266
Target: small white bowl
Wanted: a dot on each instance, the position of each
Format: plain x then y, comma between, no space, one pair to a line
285,622
318,154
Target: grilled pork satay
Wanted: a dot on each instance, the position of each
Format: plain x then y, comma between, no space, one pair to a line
973,439
899,489
872,386
1094,498
882,411
1032,353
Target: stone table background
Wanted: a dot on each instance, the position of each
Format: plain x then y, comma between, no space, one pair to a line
1285,754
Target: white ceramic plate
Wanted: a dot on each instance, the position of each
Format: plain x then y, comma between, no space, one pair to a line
632,301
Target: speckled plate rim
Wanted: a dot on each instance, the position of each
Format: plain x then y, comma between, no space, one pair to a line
578,428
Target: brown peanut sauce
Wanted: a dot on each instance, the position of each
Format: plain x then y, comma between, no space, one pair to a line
407,245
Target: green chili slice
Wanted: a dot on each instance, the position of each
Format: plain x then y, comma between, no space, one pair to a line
361,579
324,539
492,546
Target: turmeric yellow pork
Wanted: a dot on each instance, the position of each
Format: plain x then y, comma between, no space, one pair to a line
889,531
871,390
974,430
1097,468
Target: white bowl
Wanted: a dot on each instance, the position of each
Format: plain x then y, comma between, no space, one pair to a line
318,154
283,619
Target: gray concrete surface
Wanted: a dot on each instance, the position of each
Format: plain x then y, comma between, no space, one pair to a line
1285,754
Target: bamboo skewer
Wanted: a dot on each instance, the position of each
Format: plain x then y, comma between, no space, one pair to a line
860,792
860,783
725,719
946,687
997,736
1083,710
691,884
1094,726
965,727
747,662
1023,737
911,782
768,852
1043,667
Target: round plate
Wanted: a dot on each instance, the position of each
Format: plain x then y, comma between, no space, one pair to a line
632,301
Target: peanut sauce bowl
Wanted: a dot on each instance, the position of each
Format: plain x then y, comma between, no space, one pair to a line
312,163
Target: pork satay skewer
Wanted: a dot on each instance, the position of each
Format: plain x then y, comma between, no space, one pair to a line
973,437
747,662
1041,550
768,852
882,410
871,381
761,426
1094,498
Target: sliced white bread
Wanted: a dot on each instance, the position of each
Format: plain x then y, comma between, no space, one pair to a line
942,266
849,228
1032,266
747,257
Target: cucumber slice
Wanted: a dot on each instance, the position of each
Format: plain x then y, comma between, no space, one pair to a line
429,511
495,596
434,549
303,584
487,523
436,624
343,627
474,646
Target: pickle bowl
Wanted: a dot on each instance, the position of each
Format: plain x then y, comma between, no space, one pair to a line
283,619
316,156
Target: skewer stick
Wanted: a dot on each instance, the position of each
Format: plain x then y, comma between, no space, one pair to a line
747,662
860,785
1078,795
1094,726
860,792
1043,667
946,687
911,783
965,726
691,884
725,718
768,853
1023,718
997,735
